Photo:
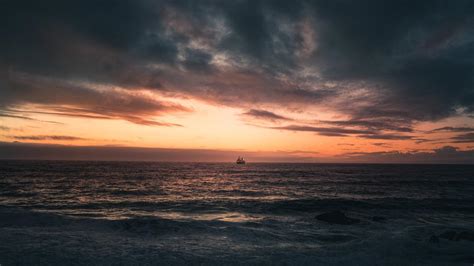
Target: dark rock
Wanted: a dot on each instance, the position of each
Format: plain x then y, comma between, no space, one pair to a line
379,219
336,217
434,239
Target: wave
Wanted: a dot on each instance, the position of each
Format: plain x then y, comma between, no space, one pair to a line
149,240
261,206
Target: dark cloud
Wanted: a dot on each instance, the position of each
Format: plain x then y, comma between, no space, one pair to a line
30,151
464,138
81,38
384,42
390,125
446,154
382,144
47,137
386,136
56,51
325,131
265,115
454,129
424,140
80,100
461,138
4,113
367,132
383,64
197,60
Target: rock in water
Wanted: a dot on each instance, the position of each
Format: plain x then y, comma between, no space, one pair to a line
336,217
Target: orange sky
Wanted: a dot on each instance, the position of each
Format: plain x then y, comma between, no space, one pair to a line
208,126
310,79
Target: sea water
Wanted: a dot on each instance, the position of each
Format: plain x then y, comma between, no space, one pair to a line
139,213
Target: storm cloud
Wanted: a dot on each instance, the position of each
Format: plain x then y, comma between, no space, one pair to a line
371,61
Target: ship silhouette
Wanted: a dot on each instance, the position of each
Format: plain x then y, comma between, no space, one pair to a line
240,160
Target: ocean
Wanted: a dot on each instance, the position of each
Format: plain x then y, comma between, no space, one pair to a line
150,213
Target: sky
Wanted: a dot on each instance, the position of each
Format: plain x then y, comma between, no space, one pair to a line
309,81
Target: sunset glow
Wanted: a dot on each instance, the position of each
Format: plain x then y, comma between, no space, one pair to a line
177,77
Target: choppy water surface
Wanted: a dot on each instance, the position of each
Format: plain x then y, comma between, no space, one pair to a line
194,213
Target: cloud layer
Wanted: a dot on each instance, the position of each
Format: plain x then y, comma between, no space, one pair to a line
446,154
380,65
28,151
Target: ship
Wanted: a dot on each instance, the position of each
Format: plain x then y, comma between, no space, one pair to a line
240,160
